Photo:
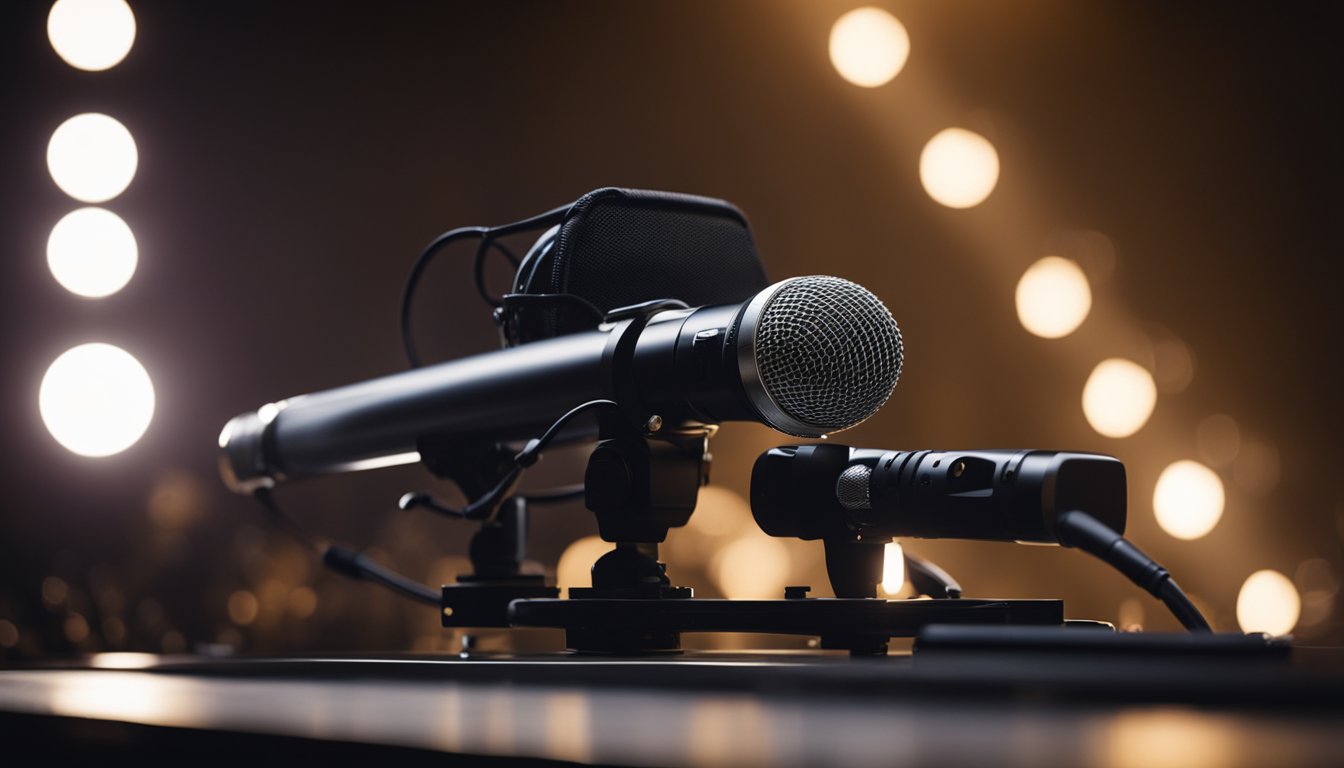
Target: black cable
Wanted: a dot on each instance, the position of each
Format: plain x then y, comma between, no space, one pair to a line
554,495
1081,530
346,561
412,280
529,455
488,236
357,566
488,504
928,579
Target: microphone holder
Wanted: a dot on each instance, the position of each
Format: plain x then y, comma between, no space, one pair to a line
497,549
639,484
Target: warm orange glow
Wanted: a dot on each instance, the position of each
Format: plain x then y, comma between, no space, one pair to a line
1219,439
243,607
869,47
959,168
1167,738
755,566
1188,500
1053,297
576,563
1268,602
302,602
1119,397
76,628
9,634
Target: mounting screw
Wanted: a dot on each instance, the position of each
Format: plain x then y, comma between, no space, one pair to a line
447,610
654,423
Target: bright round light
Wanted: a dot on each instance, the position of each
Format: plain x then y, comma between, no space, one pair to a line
1268,602
96,400
959,168
1053,297
1188,500
92,157
92,252
1119,397
92,35
869,47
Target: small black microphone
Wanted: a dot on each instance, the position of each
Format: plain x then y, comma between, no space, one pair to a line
828,491
807,356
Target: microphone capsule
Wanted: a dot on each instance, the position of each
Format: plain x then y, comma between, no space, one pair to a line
852,488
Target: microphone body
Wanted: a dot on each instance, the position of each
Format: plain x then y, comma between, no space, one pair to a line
832,491
771,359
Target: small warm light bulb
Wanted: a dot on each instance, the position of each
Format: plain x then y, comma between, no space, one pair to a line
1188,500
1268,602
893,568
92,35
959,168
1053,297
1119,397
96,400
869,47
92,157
91,252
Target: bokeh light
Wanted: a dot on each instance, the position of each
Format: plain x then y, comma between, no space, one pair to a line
9,634
243,607
576,562
1053,297
1256,469
96,400
92,35
302,602
92,252
92,157
1188,500
753,567
1219,439
959,168
720,512
869,47
1268,602
76,628
1119,397
893,568
1173,361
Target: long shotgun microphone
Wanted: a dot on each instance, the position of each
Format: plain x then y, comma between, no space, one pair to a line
825,491
807,356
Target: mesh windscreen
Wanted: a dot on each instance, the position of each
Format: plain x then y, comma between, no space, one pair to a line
625,247
829,352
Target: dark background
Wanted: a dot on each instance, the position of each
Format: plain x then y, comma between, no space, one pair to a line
294,157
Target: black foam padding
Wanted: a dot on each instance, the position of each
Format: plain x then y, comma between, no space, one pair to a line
620,247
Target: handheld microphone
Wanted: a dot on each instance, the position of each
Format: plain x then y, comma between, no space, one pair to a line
833,491
807,356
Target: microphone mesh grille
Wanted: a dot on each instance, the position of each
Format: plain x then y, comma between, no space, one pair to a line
851,488
828,351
